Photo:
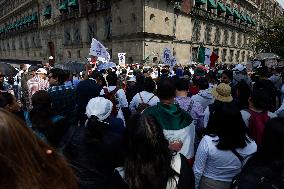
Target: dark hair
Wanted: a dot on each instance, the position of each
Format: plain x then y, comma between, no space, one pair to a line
260,98
272,146
263,71
243,92
41,113
59,74
22,66
111,79
227,123
27,162
149,85
228,73
95,74
6,99
95,129
202,83
123,71
140,79
148,158
182,84
166,88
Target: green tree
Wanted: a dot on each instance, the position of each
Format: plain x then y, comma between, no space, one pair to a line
270,38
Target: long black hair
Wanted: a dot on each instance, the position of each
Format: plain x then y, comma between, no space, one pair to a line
148,158
272,146
228,125
41,113
95,129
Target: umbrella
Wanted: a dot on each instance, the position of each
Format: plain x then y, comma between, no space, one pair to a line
7,69
105,66
263,56
73,67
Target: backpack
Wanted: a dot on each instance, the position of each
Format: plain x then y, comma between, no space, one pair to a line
259,177
112,97
256,125
142,106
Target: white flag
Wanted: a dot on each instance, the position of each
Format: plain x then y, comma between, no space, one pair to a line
207,56
167,55
121,58
98,50
173,61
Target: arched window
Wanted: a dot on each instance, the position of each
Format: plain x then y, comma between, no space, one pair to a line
167,20
152,17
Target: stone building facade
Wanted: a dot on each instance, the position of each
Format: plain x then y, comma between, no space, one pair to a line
33,30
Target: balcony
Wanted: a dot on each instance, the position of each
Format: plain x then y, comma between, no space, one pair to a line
220,19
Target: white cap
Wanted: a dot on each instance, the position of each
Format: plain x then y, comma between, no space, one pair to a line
239,67
99,107
50,58
41,71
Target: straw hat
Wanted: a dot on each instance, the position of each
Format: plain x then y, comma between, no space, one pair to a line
222,93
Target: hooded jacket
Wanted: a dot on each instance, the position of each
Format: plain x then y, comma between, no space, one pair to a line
204,97
177,125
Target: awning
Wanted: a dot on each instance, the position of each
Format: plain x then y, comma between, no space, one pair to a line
211,4
236,14
200,2
229,11
34,17
249,20
253,22
243,18
64,6
47,11
220,7
25,20
29,19
73,3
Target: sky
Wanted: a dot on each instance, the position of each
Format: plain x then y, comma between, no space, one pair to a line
281,3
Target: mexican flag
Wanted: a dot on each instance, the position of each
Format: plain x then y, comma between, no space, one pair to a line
213,58
206,57
201,55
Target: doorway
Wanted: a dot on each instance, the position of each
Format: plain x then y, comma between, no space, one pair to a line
51,52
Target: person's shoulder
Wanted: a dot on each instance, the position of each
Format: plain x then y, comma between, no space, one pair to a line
271,114
150,110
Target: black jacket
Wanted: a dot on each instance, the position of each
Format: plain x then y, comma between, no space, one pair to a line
94,161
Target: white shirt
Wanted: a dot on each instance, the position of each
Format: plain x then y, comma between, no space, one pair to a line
246,116
221,165
121,98
206,116
145,96
120,94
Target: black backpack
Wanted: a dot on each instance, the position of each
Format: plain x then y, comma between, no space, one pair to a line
260,177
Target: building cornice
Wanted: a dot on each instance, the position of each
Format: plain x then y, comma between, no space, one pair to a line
17,10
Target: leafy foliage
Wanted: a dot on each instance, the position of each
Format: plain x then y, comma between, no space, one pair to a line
271,37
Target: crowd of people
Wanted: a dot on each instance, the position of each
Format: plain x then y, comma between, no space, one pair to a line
172,128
